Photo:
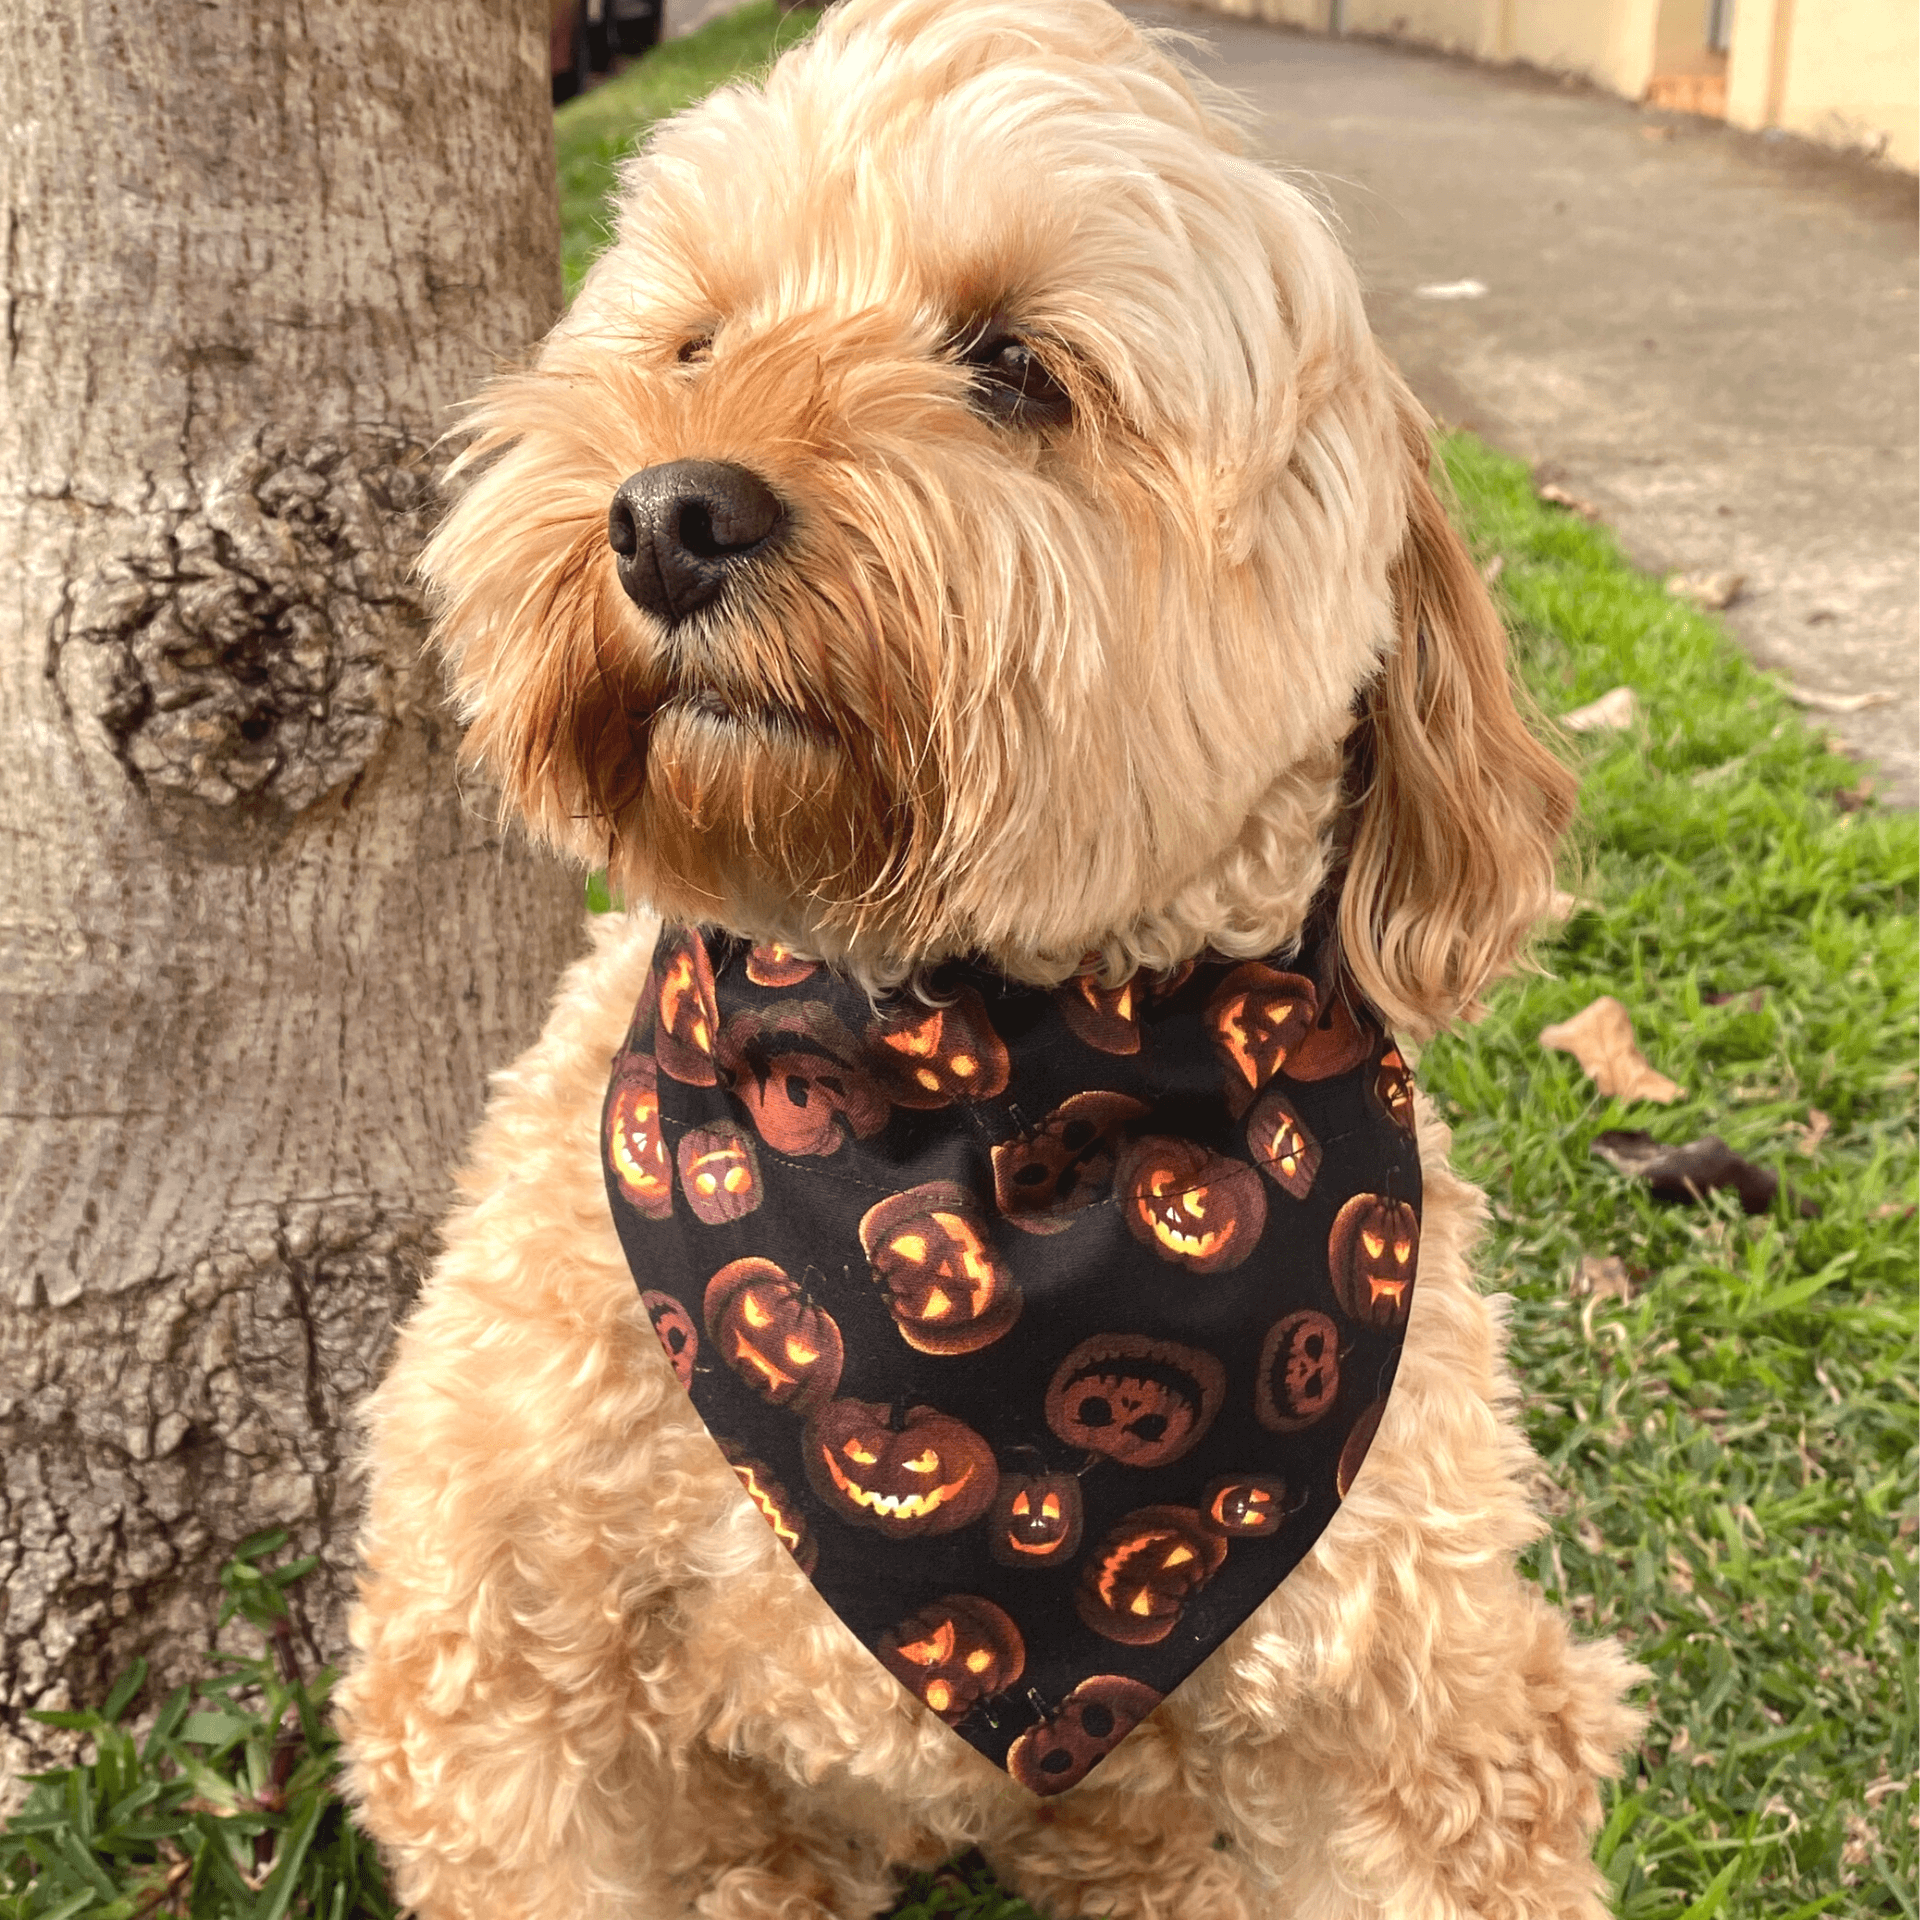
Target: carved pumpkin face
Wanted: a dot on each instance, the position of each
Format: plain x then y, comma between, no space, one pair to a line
954,1653
1256,1017
1247,1506
902,1475
796,1069
636,1148
765,1328
1136,1586
673,1327
1193,1207
1086,1726
933,1056
1044,1178
1280,1144
1372,1254
775,1506
1337,1042
1393,1088
947,1290
1140,1401
1105,1018
1359,1443
719,1172
686,1018
776,966
1299,1376
1035,1520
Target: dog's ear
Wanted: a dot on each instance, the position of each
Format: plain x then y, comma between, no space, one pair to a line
1455,807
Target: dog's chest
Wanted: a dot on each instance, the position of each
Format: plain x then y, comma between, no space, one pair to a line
1047,1330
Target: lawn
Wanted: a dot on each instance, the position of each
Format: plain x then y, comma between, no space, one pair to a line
1724,1405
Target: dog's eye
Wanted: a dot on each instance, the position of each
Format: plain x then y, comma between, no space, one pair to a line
700,347
1012,385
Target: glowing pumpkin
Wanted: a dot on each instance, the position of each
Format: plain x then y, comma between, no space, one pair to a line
1135,1586
1035,1520
953,1653
719,1172
636,1148
1373,1254
933,1056
903,1474
932,1251
1192,1206
763,1325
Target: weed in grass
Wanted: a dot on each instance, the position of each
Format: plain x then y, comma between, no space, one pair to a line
225,1810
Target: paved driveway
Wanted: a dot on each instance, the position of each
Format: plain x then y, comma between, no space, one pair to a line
1709,335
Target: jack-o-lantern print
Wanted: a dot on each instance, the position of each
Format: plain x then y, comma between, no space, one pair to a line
775,1506
1298,1378
1105,1018
1135,1586
1044,1179
931,1057
797,1071
1245,1506
636,1147
932,1250
1195,1208
773,965
719,1172
1339,1040
1281,1145
1353,1455
673,1327
1255,1018
1035,1520
1080,1732
954,1653
1393,1089
763,1325
1373,1254
901,1473
1137,1400
686,1020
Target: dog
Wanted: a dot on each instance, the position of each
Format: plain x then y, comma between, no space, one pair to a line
964,517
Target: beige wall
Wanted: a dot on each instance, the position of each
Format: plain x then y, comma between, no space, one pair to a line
1846,72
1842,71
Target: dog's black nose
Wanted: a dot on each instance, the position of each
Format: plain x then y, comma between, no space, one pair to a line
677,528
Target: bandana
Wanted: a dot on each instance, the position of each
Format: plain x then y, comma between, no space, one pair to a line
1047,1330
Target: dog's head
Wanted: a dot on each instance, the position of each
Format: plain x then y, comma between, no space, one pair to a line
965,510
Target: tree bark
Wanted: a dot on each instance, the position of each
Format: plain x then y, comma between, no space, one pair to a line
260,948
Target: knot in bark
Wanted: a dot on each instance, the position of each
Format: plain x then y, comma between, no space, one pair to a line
256,642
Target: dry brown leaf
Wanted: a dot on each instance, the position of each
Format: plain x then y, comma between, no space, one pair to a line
1704,587
1613,712
1600,1037
1604,1275
1494,568
1838,702
1557,496
1818,1126
1755,998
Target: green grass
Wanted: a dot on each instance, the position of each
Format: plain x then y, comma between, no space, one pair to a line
1729,1454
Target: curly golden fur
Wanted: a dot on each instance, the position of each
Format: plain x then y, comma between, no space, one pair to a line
1155,676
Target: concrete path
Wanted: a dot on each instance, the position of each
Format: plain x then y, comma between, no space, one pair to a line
1710,336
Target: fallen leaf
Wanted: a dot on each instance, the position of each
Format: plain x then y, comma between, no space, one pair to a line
1452,290
1604,1275
1838,702
1494,568
1557,496
1818,1126
1600,1037
1691,1171
1612,713
1755,998
1705,588
1852,799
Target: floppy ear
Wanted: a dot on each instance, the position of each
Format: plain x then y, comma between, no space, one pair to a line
1455,808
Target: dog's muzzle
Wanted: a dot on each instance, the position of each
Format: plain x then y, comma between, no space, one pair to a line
676,531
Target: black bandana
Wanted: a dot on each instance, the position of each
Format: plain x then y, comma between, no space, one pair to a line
1045,1329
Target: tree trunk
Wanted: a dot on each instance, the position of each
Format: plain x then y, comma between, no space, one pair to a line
260,947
